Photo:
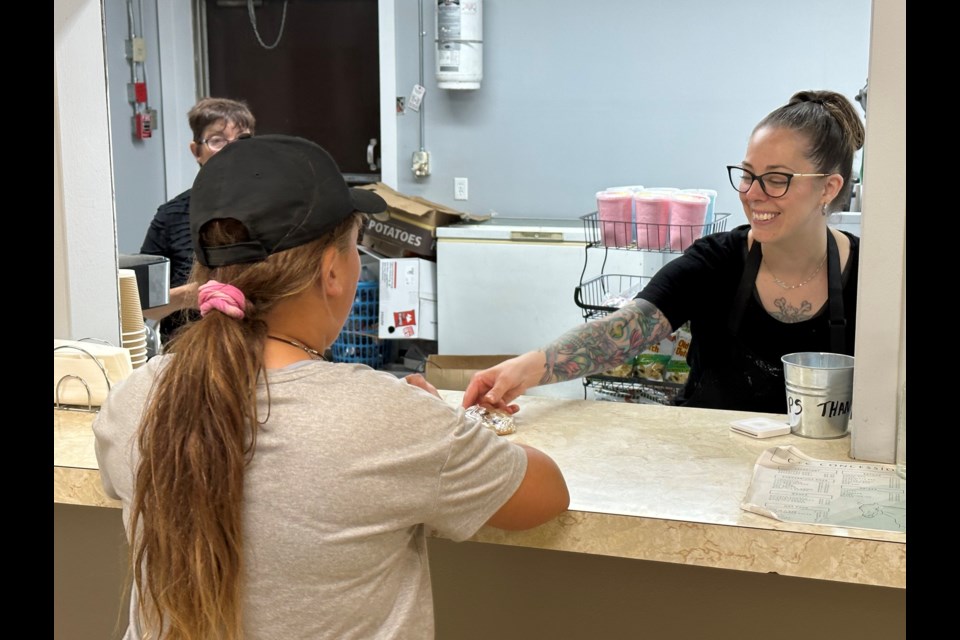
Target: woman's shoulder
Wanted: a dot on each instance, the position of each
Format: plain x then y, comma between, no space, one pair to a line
848,245
359,383
854,240
720,246
376,404
127,398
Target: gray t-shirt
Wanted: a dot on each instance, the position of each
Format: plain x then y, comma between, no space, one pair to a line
351,468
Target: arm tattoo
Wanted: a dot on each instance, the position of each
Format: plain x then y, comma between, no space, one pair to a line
788,313
605,343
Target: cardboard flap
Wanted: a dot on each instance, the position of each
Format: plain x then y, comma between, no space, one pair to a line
453,373
416,206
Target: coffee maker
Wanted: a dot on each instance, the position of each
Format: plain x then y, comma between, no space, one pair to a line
153,277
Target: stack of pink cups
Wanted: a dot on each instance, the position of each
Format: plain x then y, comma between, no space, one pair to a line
652,217
687,214
712,195
615,211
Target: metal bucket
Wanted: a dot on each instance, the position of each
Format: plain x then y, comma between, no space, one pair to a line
819,393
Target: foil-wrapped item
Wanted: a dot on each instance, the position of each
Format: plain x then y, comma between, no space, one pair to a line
502,423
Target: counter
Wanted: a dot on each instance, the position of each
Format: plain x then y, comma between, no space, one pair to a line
647,482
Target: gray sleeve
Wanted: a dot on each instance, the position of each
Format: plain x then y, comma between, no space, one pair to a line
101,447
482,471
115,431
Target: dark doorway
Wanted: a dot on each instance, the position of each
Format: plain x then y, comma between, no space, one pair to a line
321,81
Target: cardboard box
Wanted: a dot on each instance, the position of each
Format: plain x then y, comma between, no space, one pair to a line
397,239
408,299
453,373
408,227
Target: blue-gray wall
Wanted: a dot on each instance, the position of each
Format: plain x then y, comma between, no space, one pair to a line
138,165
149,172
575,97
580,96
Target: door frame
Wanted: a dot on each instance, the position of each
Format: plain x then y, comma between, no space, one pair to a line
388,92
183,67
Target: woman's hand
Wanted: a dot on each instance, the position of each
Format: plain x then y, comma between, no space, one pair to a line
417,380
497,386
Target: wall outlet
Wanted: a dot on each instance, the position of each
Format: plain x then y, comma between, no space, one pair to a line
460,189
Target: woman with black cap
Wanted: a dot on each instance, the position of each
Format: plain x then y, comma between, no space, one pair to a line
268,493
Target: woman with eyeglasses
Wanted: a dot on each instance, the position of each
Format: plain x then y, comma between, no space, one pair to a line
785,282
215,123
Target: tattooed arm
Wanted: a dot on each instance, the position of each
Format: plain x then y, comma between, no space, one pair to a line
589,349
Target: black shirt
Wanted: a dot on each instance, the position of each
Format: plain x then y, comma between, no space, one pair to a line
169,236
743,371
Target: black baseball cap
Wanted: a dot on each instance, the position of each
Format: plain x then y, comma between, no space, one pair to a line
287,191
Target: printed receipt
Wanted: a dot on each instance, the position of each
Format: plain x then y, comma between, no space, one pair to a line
790,486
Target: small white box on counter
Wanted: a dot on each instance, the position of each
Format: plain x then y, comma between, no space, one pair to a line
408,299
760,427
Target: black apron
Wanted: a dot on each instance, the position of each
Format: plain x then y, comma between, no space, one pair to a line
752,383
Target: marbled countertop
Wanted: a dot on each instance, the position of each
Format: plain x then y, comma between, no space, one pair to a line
646,482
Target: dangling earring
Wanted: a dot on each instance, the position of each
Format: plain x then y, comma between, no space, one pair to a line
823,209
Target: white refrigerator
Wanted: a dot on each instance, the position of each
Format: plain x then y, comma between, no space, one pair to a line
506,286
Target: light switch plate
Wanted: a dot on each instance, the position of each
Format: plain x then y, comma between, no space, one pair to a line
460,189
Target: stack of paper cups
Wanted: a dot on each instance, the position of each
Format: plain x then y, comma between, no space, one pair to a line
133,331
687,212
652,218
615,211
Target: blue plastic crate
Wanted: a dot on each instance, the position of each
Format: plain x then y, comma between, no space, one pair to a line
358,340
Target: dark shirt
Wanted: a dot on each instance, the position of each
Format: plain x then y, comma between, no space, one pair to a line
742,371
169,236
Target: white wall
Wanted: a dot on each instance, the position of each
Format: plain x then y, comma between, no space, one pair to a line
86,297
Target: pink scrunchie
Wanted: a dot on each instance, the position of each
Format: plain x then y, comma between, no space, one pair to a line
225,298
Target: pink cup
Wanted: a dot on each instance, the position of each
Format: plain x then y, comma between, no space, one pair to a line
652,219
687,212
615,211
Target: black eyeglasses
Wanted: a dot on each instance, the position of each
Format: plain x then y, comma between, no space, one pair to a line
217,143
773,183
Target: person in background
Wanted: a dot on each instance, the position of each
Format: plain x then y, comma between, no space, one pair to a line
784,283
266,492
215,123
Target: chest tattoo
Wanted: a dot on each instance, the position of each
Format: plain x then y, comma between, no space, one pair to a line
788,313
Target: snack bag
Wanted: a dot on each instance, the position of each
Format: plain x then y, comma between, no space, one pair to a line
677,369
652,366
652,363
623,371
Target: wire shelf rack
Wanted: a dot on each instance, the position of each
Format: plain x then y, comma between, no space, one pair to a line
603,295
642,236
606,293
635,390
